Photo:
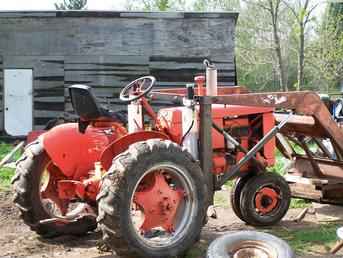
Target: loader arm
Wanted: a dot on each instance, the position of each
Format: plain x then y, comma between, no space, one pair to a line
303,102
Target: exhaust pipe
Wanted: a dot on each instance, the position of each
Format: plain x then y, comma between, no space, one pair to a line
211,78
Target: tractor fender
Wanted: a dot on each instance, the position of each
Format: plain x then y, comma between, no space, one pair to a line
72,152
123,143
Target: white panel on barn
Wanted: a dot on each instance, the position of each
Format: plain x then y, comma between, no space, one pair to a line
18,101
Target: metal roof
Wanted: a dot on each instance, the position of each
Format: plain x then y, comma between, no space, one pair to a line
116,14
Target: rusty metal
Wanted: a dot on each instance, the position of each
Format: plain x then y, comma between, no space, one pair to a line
306,103
283,146
310,155
235,170
315,175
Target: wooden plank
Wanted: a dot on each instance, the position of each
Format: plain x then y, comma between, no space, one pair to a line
25,14
47,113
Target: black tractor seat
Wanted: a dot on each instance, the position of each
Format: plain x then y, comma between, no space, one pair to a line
87,108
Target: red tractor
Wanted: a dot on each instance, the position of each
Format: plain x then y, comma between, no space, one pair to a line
148,185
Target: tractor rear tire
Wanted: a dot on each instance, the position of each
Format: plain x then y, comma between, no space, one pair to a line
235,194
26,184
257,204
118,192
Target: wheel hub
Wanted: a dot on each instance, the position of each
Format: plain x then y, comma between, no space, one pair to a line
159,203
49,191
253,249
266,200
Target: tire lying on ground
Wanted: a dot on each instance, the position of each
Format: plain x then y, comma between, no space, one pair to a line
265,199
153,166
27,197
249,244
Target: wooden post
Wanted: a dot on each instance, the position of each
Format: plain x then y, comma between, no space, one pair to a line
205,141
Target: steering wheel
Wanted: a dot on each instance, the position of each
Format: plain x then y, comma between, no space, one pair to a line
137,89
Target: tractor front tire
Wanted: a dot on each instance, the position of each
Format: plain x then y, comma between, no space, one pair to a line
265,199
26,184
235,194
118,194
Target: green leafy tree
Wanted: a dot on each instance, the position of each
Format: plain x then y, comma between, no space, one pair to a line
216,5
302,11
149,5
263,45
71,5
326,51
157,5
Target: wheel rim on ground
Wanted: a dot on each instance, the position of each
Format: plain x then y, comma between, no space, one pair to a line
163,204
253,249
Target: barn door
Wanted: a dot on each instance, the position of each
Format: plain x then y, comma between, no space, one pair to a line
18,101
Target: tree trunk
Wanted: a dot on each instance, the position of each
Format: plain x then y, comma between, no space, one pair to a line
280,64
274,11
301,57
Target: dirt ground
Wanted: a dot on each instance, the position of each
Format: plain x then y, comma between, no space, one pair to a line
16,239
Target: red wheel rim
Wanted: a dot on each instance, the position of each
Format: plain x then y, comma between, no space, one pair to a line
266,200
163,205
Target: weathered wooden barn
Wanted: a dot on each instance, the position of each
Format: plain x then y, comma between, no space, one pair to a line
42,53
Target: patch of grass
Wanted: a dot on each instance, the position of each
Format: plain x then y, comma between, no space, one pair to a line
5,148
6,173
303,241
281,164
197,251
5,177
221,199
229,184
299,203
310,240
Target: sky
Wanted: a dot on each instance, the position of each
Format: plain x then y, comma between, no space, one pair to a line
91,5
49,4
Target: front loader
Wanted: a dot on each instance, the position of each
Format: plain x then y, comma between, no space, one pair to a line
148,185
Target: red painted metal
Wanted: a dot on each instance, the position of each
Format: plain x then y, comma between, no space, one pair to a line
85,189
231,118
266,200
33,135
219,163
123,143
70,189
159,202
49,190
268,122
74,153
222,90
200,81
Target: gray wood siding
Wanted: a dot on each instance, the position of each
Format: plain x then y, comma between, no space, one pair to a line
106,50
1,95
